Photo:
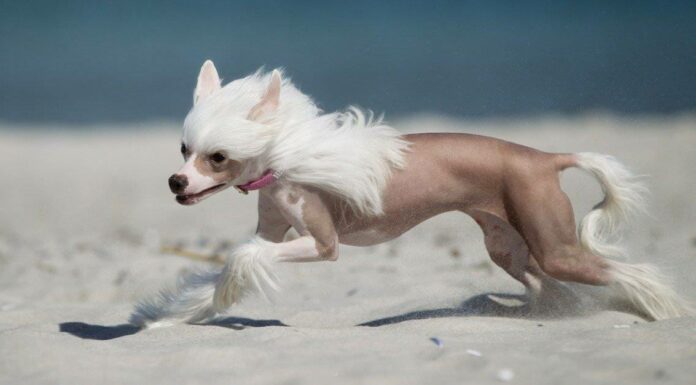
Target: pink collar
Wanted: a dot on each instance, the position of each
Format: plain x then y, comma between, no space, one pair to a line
268,177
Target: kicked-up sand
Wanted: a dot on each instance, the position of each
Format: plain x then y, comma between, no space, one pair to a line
88,226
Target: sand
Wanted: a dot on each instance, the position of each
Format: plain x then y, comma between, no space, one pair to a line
84,216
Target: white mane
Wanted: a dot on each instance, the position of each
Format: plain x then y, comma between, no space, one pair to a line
219,121
348,154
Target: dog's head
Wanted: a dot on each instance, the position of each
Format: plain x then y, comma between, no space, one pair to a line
228,129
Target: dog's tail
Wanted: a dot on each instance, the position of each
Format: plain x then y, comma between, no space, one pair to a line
640,286
624,196
199,296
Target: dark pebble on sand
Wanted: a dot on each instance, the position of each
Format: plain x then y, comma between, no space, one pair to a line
436,341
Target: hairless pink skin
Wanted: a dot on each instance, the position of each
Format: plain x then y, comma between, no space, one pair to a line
511,191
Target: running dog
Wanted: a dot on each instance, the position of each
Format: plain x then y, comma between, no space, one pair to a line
347,178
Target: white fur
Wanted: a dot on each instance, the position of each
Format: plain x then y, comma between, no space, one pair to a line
201,295
349,154
248,270
194,298
220,120
645,289
624,197
640,286
189,300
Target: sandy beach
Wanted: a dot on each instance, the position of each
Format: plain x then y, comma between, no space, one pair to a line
87,222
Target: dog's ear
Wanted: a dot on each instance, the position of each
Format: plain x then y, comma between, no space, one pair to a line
208,81
270,100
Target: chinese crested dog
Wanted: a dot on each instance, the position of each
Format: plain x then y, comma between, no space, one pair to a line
347,178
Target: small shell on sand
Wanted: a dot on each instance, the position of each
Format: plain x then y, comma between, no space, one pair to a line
473,352
505,375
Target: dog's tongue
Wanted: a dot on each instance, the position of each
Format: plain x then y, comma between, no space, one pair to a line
263,181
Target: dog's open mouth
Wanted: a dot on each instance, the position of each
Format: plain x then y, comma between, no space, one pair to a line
197,197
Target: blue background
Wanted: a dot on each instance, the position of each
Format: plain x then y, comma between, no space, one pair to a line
122,61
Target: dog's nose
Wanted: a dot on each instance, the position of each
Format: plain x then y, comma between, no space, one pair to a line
177,183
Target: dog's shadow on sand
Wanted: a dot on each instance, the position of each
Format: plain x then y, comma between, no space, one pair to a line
97,332
240,323
489,305
102,333
482,305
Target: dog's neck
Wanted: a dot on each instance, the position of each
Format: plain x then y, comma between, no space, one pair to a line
266,179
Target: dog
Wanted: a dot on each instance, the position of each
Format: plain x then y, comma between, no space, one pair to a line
349,178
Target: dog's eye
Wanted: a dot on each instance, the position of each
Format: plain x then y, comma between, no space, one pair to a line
183,148
218,157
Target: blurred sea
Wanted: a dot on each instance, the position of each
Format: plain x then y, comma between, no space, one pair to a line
124,61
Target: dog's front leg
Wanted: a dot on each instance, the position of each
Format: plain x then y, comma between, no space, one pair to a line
249,267
305,249
305,209
310,217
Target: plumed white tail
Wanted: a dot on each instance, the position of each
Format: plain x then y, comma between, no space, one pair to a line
641,287
623,197
199,296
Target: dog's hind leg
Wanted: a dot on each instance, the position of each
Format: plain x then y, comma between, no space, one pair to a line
504,244
508,249
544,217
